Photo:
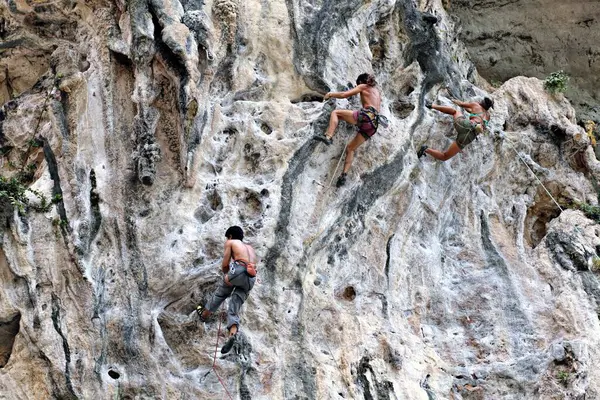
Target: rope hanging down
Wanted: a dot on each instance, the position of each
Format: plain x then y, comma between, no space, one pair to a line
538,179
577,229
215,359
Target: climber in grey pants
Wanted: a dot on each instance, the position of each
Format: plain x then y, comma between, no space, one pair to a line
239,267
241,284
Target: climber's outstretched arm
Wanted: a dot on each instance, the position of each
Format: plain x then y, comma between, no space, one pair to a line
347,93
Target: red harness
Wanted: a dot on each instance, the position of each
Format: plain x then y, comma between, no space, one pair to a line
250,267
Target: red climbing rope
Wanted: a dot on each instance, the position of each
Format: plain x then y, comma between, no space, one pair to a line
215,358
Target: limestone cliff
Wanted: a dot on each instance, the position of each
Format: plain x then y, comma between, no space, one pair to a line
153,125
535,38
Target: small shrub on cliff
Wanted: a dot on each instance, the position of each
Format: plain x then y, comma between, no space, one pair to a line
596,263
590,211
563,377
556,82
13,194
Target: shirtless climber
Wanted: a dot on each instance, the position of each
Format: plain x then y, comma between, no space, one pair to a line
240,274
366,119
467,126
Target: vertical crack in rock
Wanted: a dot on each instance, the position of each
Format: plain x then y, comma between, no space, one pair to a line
300,373
57,391
144,127
148,151
98,316
9,328
388,247
375,185
136,265
295,168
425,48
95,208
312,36
65,344
382,390
58,109
56,189
513,313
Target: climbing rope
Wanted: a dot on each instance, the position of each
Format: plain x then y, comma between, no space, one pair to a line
534,174
215,358
548,192
337,166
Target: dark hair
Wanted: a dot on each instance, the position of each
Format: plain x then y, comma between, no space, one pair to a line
487,103
235,232
366,78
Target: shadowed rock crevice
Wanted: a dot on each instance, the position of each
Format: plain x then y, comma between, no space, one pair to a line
312,32
295,168
96,215
56,188
56,322
9,328
373,388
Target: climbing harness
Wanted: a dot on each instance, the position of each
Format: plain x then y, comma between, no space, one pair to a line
367,121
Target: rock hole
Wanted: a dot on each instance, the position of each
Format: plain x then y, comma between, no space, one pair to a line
214,200
403,108
113,374
349,293
264,193
306,98
147,179
266,128
539,215
9,328
229,131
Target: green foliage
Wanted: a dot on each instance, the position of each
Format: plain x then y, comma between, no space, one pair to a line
14,192
595,263
556,82
590,211
563,377
34,143
495,83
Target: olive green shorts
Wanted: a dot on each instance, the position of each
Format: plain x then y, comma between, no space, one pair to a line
465,130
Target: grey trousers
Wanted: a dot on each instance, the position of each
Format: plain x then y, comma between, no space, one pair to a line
241,284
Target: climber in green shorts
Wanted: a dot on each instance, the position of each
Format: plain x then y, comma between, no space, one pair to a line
467,126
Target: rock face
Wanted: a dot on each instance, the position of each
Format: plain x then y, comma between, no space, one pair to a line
155,125
536,38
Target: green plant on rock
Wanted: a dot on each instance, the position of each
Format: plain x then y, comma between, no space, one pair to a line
590,211
563,377
556,82
596,263
14,193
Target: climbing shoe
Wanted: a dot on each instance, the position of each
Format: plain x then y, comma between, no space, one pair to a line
421,151
229,344
428,104
199,310
341,180
321,137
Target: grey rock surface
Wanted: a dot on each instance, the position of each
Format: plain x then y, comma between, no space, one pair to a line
158,124
536,38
